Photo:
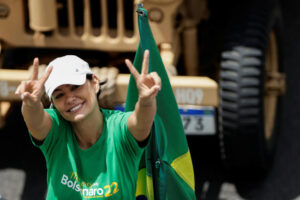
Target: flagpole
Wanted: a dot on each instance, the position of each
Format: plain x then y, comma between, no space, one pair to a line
155,160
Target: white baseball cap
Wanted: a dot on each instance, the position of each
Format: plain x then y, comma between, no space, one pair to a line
68,69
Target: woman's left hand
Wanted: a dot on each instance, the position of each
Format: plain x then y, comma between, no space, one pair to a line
148,84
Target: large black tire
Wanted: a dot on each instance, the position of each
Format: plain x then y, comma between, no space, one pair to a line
245,141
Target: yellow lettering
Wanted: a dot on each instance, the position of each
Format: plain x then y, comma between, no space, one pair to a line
74,176
108,192
89,184
83,184
115,185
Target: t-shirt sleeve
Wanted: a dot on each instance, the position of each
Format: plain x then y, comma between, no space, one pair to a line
128,143
49,142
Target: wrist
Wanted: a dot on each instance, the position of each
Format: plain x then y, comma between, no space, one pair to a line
147,102
33,106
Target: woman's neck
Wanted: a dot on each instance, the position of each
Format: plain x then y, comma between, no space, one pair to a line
89,130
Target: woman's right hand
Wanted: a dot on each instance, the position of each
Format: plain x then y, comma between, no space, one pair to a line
31,91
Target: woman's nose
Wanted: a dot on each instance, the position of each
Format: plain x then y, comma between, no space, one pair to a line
70,97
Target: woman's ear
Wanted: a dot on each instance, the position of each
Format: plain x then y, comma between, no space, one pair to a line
96,84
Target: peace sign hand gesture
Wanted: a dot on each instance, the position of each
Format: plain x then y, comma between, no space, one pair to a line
31,91
148,84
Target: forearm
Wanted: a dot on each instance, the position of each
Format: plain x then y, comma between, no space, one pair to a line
142,119
36,120
145,114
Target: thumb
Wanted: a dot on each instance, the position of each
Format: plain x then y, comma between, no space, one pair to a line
154,90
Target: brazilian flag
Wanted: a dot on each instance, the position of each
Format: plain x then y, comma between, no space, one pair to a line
166,170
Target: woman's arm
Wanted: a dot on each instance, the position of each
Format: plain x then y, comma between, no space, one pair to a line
36,118
149,84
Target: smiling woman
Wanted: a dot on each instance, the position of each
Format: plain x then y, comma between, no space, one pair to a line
90,152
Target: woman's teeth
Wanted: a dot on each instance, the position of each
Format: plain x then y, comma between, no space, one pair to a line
75,108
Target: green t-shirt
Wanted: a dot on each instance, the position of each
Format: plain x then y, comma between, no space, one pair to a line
107,170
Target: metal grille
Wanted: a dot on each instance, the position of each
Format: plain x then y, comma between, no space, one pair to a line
106,18
108,25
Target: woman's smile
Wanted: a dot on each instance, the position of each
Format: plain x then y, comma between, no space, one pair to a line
75,102
75,108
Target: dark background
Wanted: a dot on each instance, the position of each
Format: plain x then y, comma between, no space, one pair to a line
282,182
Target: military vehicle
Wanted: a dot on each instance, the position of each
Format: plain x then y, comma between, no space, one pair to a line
224,60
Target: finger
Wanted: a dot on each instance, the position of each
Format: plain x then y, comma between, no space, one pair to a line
46,75
156,79
17,92
145,66
21,88
27,98
35,72
132,69
18,89
154,91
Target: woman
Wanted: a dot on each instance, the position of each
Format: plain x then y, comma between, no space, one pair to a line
90,152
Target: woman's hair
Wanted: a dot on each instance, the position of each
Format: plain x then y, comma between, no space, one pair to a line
90,77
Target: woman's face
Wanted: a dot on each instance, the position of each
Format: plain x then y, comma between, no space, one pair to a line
76,102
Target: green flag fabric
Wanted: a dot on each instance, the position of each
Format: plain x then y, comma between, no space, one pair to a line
166,170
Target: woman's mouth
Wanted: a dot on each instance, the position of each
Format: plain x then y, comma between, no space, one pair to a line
75,108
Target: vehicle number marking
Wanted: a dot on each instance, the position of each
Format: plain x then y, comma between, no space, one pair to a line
199,121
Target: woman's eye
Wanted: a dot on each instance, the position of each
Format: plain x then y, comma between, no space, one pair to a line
58,96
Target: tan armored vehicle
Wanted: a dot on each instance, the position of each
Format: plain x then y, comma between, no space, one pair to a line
223,58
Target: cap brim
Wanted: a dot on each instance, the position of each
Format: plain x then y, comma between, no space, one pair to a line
74,80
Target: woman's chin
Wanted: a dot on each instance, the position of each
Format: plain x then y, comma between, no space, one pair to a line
74,118
78,118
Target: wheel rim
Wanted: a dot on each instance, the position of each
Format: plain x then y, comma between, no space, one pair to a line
274,86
